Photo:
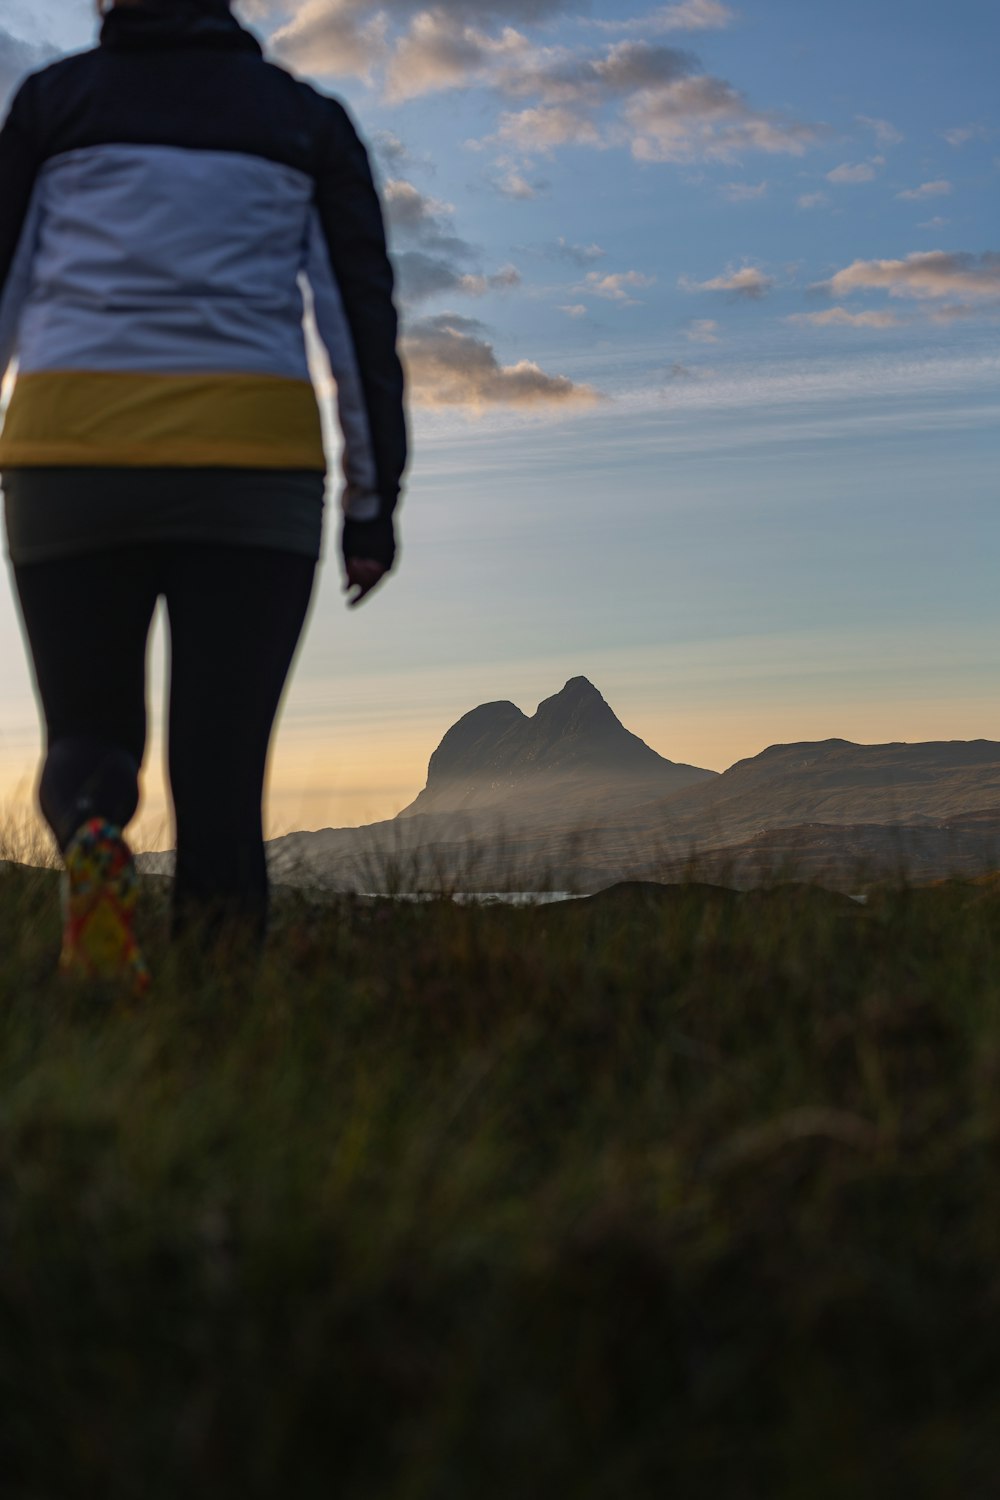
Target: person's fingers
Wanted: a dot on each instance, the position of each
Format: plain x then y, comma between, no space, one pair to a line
363,573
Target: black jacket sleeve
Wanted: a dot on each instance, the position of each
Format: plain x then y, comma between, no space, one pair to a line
351,218
19,156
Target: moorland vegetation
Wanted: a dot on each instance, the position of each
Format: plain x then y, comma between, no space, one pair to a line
673,1190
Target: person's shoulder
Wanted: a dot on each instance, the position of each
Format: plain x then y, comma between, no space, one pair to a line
324,109
46,84
59,69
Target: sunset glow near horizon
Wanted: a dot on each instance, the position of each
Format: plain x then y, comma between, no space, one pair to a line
700,306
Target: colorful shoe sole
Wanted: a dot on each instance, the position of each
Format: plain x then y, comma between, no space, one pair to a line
100,888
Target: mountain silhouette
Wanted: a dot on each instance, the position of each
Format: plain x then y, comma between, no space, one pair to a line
569,797
573,746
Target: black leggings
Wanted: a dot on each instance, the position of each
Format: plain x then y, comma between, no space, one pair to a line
236,614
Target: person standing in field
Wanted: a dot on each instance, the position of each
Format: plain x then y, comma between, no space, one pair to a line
164,198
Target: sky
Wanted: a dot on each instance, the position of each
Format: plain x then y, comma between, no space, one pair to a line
700,306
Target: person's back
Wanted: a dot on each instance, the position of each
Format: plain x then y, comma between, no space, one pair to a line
170,187
166,195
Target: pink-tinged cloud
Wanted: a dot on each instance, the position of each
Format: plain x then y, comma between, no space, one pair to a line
431,259
748,282
692,15
926,274
334,37
704,117
513,184
839,317
686,15
441,52
848,172
587,83
885,133
616,286
633,92
545,128
940,188
451,364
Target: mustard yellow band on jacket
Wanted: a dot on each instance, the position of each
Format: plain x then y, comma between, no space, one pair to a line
160,421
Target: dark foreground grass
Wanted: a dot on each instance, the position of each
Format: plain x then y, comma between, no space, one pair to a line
687,1195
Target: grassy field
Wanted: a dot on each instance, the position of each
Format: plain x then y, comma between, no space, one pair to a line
665,1193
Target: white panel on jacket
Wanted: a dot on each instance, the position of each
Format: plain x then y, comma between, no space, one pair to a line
124,281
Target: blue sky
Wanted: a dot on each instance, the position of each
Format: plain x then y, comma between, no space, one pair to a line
701,306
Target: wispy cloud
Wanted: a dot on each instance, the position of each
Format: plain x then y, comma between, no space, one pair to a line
391,152
749,283
422,276
419,217
686,15
510,182
577,255
702,331
940,188
616,286
885,133
844,394
960,135
452,364
812,200
954,312
432,260
849,172
705,117
545,128
743,192
839,317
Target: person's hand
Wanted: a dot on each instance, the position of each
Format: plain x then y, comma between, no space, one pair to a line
363,573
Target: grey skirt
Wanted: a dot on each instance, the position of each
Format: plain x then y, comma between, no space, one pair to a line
68,512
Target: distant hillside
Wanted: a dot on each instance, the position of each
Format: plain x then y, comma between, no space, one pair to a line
835,781
572,753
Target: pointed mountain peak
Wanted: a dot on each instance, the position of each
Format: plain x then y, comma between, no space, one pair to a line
578,702
578,687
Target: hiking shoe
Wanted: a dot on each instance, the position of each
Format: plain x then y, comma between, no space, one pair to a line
99,894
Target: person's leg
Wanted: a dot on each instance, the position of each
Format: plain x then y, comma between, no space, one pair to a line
236,615
86,620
